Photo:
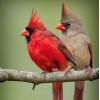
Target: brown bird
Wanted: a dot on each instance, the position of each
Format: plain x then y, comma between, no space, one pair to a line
74,37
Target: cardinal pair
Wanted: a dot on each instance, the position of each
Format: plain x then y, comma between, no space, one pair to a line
72,50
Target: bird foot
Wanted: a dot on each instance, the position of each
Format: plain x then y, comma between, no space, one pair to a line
69,70
44,74
89,70
55,69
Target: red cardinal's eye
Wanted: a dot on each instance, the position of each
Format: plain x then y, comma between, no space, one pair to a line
30,30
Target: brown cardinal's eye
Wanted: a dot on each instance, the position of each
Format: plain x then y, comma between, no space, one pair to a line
66,24
30,30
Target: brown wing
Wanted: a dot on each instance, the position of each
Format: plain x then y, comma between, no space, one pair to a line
90,50
66,52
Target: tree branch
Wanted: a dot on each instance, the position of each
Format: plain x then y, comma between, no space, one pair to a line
36,78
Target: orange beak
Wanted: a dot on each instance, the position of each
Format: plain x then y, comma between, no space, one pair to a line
60,27
24,33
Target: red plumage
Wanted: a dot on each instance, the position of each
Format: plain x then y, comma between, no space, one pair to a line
47,51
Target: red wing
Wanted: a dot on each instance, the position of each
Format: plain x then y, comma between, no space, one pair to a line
66,52
90,50
63,49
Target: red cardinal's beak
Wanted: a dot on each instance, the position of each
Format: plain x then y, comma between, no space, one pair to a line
24,33
60,27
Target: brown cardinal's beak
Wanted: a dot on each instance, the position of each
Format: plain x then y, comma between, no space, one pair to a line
60,27
24,33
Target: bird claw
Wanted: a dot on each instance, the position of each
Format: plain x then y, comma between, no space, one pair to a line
55,69
89,70
69,70
44,74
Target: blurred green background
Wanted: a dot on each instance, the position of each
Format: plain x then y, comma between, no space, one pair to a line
14,16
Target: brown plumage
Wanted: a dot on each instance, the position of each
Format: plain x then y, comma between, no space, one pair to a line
75,38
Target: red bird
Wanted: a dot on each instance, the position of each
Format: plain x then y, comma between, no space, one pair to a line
47,51
75,39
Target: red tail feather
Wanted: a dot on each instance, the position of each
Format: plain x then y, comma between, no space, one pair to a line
57,90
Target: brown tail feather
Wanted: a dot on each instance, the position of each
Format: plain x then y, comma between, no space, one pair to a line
79,90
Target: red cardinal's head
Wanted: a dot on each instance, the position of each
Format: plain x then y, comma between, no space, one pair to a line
68,20
34,23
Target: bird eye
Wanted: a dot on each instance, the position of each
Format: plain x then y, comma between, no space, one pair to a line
66,24
30,30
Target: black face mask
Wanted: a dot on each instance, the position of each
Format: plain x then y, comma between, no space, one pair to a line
30,30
